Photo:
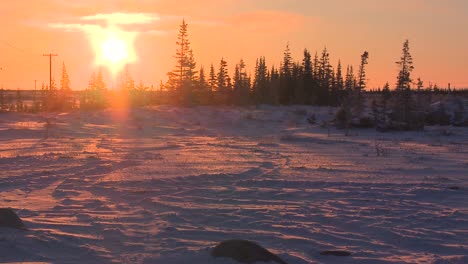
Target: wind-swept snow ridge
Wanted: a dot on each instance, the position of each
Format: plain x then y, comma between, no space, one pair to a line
166,184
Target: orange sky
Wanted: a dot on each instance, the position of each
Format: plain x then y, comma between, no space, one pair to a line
234,29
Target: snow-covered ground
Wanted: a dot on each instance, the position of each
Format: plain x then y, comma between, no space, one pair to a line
164,185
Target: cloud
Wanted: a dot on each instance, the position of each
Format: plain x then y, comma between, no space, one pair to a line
75,27
139,23
124,18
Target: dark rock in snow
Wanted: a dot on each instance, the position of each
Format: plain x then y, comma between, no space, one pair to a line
337,253
244,251
8,218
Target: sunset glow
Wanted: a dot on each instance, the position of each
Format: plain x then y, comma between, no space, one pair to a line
113,49
234,131
86,34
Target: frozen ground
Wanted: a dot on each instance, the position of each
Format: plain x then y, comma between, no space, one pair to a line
164,185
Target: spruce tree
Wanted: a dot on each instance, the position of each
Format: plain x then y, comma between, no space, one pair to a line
65,89
339,82
324,77
275,82
65,80
286,95
260,86
222,76
359,100
241,88
345,114
202,83
127,87
362,82
297,82
406,67
212,81
386,94
182,79
404,114
223,83
316,65
19,101
287,64
95,95
308,79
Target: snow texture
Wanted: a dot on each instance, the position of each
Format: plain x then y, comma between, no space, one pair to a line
166,184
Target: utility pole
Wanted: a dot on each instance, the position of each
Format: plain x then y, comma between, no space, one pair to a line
50,55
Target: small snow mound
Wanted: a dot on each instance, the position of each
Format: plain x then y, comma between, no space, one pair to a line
244,251
8,218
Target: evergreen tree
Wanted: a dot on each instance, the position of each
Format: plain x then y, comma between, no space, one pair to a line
334,93
274,89
182,79
241,89
100,85
182,56
191,65
339,81
287,64
359,100
286,95
139,97
128,91
406,67
212,81
309,84
203,90
260,86
324,77
91,83
297,82
362,72
380,109
65,90
223,83
95,96
404,115
19,101
127,81
344,116
316,65
65,80
222,76
202,83
386,94
419,86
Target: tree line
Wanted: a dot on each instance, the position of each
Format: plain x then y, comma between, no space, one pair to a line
311,81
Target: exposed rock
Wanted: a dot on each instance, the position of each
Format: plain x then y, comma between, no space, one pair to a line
244,251
8,218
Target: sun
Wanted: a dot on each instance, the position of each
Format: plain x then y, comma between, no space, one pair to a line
114,48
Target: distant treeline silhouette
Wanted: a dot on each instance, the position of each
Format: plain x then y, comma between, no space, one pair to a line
312,81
